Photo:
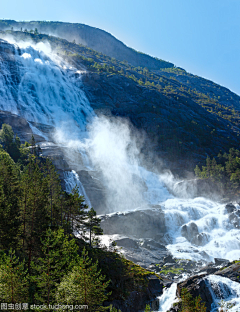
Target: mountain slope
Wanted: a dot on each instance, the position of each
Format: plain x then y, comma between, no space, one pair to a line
91,37
185,117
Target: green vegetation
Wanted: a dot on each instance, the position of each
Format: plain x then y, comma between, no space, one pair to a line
172,270
190,304
40,259
223,170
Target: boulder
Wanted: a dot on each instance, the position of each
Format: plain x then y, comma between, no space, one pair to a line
219,261
191,233
230,208
140,223
126,242
232,272
152,244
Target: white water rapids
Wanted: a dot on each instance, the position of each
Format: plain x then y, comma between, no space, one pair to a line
225,293
40,87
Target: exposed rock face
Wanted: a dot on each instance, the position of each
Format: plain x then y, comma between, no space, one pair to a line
126,242
155,113
232,272
95,190
198,187
140,223
20,126
233,214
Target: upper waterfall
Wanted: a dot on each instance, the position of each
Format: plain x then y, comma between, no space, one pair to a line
43,88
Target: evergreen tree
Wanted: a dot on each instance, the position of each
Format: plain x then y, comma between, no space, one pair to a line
9,201
34,214
190,304
93,225
59,255
84,285
75,212
33,145
13,279
8,142
54,191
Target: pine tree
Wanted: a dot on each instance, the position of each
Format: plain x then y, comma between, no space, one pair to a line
34,214
75,212
93,225
59,255
84,285
33,145
13,279
54,187
9,205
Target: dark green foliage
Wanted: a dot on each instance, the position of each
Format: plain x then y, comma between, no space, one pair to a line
59,255
13,279
93,225
113,309
84,285
9,202
224,170
10,144
190,304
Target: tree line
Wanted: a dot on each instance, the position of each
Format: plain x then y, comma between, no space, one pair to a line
224,170
41,261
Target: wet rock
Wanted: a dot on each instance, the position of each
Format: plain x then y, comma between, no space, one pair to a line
230,208
20,126
126,242
95,190
234,218
141,223
197,188
201,239
136,301
219,261
169,259
197,285
191,233
152,244
232,272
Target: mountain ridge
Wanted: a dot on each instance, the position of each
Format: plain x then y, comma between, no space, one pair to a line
93,38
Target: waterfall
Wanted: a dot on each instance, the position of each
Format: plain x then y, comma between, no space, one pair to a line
167,298
71,179
46,90
225,290
39,86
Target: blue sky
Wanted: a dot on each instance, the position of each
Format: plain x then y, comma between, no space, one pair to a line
202,36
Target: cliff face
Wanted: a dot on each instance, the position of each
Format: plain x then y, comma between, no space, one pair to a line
179,130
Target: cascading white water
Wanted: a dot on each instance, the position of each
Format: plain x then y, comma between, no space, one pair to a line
43,89
72,180
221,238
167,298
48,91
225,290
